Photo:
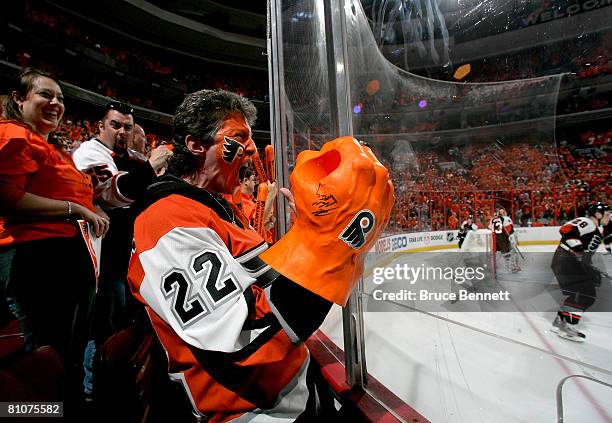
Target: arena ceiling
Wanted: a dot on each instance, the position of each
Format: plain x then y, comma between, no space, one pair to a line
146,22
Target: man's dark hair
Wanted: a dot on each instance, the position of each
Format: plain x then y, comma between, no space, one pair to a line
119,106
201,115
22,86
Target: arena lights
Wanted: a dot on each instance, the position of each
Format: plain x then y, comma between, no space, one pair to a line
372,87
462,71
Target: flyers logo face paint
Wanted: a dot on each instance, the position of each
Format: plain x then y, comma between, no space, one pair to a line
232,149
356,232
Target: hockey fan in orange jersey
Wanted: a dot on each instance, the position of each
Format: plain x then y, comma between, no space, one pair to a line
573,268
233,326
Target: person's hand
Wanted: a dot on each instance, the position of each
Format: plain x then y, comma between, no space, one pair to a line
343,196
159,158
290,199
101,212
269,205
98,219
269,222
272,191
161,171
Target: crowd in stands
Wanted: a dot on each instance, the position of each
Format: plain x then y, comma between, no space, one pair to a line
437,106
549,59
219,16
72,132
459,106
150,67
538,185
438,188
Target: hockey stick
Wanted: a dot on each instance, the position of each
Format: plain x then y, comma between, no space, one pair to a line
519,252
601,272
515,245
591,266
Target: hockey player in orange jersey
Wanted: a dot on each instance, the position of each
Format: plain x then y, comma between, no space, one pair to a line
231,313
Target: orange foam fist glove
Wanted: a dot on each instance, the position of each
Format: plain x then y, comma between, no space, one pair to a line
343,196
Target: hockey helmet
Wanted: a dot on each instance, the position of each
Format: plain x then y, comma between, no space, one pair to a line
598,207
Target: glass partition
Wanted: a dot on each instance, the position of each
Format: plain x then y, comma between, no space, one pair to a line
472,106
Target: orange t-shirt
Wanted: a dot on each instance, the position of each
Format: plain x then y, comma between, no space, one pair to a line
28,163
248,207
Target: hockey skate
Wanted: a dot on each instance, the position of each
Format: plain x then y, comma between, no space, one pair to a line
566,331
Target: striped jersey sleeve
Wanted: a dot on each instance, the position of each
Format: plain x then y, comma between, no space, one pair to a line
95,159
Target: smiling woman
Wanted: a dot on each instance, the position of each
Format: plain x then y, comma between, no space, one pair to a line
43,106
41,196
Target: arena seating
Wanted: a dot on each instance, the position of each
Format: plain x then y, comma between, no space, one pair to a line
538,187
52,35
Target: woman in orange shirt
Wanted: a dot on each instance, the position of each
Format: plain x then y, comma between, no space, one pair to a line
46,266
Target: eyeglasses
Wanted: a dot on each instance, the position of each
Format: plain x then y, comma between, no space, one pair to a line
124,108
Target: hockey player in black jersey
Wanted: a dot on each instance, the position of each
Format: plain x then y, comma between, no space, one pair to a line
466,226
505,239
572,267
607,237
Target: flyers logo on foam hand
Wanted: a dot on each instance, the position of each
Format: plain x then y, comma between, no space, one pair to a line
343,196
232,149
356,232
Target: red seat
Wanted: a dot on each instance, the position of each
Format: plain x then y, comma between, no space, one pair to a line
31,376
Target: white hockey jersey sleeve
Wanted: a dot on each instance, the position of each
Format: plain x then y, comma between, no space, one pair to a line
95,159
193,283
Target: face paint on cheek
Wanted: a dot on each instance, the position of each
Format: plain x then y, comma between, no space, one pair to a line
232,150
230,157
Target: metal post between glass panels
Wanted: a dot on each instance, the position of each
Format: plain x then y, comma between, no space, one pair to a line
342,125
278,129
